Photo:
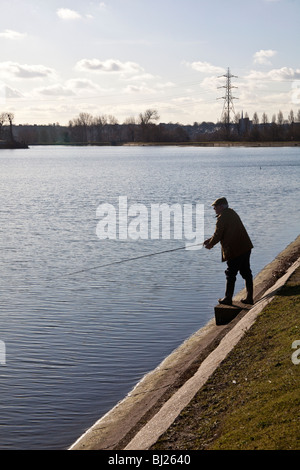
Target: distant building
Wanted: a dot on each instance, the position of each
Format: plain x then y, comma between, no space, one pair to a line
244,125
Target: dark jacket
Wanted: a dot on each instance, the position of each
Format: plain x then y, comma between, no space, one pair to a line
232,235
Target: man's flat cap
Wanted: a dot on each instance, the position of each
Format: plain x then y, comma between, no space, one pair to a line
220,201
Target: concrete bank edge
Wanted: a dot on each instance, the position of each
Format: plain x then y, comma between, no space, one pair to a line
149,435
137,421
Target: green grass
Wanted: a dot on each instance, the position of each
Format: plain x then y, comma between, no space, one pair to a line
252,401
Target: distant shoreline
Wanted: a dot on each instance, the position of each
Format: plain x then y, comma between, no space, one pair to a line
170,144
218,144
13,145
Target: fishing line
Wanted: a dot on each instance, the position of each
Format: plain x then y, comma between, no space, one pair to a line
73,273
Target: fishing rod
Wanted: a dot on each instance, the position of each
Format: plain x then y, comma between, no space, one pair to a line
73,273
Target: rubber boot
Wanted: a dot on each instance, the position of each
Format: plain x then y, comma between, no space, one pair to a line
227,300
249,288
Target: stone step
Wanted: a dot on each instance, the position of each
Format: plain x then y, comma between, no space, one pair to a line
225,313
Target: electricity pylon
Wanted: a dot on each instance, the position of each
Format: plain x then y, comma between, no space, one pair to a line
228,98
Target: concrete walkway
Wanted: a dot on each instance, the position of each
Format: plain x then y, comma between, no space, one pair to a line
137,421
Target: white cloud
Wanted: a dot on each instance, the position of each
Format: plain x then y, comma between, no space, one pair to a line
141,76
138,89
16,70
205,67
186,100
108,66
263,56
285,73
86,87
67,14
11,34
211,83
73,87
165,85
81,84
55,90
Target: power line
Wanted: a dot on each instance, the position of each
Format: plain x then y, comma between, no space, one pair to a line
62,98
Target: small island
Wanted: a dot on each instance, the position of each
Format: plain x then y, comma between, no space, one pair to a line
4,144
7,140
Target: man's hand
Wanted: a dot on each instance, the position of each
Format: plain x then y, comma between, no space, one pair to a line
207,244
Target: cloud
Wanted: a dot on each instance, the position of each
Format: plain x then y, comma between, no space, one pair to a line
55,90
82,84
264,92
15,70
211,83
11,34
73,87
205,67
108,66
285,73
165,85
141,76
138,89
263,56
86,87
67,14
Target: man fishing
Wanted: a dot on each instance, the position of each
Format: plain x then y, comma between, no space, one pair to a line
236,249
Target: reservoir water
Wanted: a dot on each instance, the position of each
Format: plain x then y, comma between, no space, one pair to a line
76,344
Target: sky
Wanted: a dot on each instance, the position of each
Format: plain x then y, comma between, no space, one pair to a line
119,58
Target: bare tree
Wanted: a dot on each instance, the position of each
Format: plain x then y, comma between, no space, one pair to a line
81,125
85,120
10,117
130,128
3,118
147,127
291,120
255,119
264,118
147,116
280,119
112,119
99,123
255,134
291,117
237,118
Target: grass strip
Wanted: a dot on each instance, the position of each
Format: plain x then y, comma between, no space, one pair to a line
252,400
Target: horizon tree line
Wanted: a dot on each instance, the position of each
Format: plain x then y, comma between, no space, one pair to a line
86,128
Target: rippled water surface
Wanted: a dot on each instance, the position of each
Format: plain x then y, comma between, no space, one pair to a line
77,343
